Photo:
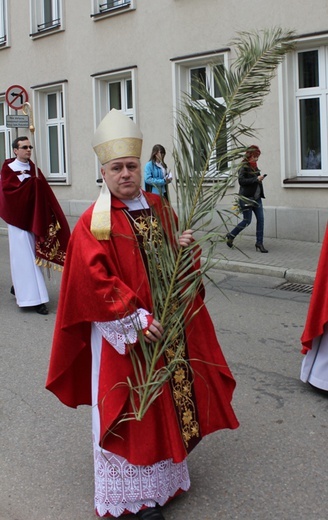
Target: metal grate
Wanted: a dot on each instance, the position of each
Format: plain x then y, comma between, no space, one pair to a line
296,287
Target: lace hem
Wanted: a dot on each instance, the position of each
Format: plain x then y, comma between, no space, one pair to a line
120,333
121,486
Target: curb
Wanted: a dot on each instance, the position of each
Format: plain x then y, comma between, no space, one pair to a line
290,275
299,276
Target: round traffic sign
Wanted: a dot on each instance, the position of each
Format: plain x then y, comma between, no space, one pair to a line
16,96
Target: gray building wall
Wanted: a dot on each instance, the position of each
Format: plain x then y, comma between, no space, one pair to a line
150,38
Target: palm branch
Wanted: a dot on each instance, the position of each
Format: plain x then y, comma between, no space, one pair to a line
209,138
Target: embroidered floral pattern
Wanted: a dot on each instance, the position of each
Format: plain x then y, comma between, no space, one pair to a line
50,249
181,382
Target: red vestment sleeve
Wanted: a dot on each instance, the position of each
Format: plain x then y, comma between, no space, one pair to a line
92,290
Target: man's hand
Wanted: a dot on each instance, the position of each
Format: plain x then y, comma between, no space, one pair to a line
154,332
186,238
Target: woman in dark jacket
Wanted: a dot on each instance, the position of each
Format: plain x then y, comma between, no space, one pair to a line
251,193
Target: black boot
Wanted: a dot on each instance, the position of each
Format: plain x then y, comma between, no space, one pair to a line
229,240
151,513
41,309
261,248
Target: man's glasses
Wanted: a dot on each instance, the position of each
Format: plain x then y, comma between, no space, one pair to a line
25,147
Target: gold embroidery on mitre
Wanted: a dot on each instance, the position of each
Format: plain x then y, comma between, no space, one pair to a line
117,148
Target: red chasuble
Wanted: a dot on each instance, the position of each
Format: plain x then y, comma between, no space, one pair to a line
106,281
317,315
31,205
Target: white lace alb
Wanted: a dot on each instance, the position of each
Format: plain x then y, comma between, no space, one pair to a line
120,485
120,333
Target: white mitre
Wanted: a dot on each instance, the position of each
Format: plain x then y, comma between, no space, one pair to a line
117,136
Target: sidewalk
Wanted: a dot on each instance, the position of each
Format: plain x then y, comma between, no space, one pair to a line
295,261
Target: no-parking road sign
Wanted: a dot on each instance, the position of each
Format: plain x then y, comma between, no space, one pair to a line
16,96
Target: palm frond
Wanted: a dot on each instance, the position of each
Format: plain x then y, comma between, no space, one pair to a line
208,149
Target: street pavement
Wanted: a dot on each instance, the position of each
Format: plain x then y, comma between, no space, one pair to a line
46,458
294,260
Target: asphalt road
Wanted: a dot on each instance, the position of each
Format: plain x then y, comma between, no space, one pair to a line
273,467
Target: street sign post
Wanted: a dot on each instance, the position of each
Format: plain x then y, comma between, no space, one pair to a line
16,96
17,121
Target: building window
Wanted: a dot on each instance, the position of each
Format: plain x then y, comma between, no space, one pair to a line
120,96
46,17
304,98
3,24
116,89
191,73
308,105
5,135
102,8
50,103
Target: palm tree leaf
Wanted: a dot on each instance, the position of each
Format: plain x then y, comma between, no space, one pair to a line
207,152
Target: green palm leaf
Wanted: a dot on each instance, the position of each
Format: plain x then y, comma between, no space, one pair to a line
209,146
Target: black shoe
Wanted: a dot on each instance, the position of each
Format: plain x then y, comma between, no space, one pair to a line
229,240
42,309
12,290
261,248
151,513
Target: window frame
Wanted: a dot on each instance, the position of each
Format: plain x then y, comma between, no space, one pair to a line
4,21
38,26
101,82
8,136
40,97
123,7
290,97
182,85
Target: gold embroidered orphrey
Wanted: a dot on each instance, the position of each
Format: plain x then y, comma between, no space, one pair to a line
181,380
49,252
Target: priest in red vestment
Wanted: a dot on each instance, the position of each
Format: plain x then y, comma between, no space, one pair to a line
105,310
37,227
315,335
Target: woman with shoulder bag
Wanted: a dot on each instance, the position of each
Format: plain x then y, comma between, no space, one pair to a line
251,195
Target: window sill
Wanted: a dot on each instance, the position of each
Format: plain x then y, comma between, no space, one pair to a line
220,178
46,32
306,181
58,182
112,12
